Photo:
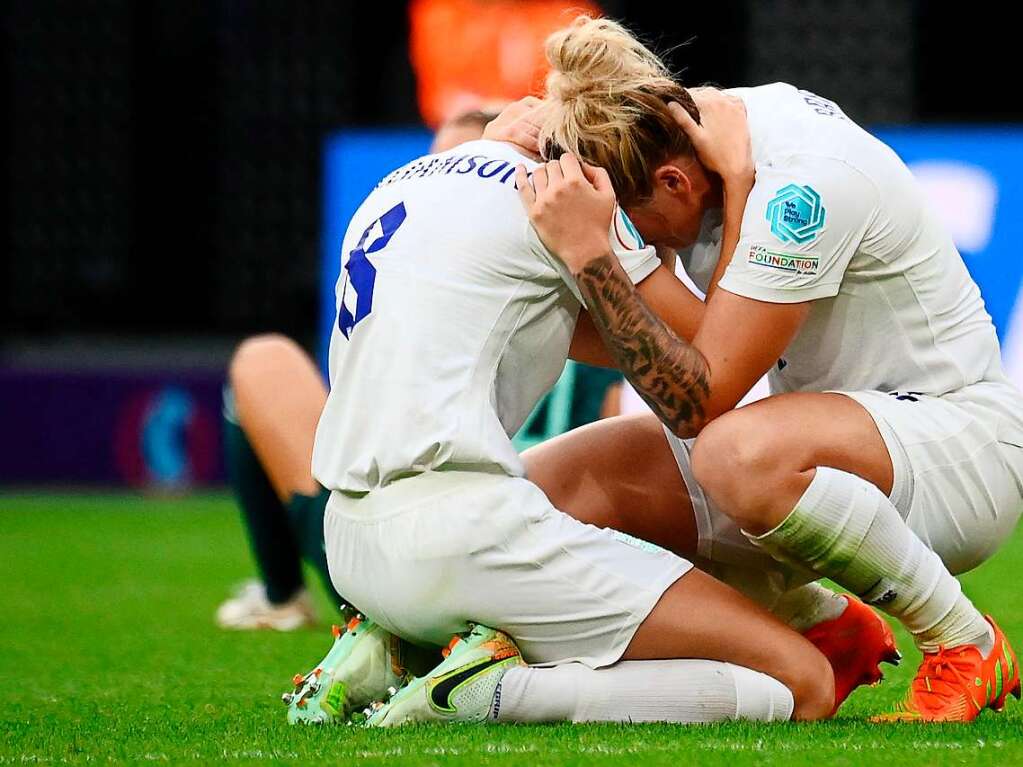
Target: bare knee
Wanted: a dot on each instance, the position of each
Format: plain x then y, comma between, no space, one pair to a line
258,354
741,464
278,399
812,683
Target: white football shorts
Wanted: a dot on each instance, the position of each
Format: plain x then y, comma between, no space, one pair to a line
428,554
958,480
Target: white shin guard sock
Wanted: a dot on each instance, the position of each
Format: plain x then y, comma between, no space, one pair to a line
805,607
846,529
686,691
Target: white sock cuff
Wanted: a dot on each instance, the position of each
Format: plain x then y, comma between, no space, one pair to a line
529,694
829,522
825,502
759,697
824,494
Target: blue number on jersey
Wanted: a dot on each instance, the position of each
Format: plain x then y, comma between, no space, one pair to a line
361,275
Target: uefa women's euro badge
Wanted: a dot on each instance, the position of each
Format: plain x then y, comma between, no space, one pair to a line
796,214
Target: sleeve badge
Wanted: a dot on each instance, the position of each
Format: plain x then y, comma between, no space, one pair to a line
796,214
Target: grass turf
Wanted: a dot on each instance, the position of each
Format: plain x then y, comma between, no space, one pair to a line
108,652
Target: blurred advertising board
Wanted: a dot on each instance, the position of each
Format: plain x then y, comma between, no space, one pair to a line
353,162
154,430
973,177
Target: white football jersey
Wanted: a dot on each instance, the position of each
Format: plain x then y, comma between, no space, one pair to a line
836,218
453,321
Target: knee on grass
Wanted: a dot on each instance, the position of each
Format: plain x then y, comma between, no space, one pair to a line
812,684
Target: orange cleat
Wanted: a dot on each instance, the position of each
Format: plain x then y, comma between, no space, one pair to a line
855,643
955,684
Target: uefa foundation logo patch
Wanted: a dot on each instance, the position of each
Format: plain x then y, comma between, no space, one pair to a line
783,262
796,214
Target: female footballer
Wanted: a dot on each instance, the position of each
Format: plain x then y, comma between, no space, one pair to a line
891,454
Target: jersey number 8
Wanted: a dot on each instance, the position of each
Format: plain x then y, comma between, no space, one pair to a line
360,274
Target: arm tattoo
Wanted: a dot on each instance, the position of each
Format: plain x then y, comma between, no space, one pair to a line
667,371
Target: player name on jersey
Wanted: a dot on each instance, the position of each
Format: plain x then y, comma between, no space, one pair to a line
463,165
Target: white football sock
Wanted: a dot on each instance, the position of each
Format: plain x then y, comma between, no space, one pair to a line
846,529
685,691
805,607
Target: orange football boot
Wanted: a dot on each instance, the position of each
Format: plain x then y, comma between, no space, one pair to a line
955,684
855,643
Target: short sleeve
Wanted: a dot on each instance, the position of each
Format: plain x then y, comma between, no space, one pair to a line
805,219
638,259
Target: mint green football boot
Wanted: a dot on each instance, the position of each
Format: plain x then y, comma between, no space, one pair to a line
362,666
460,689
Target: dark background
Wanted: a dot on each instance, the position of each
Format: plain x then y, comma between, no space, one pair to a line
161,158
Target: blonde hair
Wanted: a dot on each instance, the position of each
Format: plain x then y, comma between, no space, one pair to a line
606,102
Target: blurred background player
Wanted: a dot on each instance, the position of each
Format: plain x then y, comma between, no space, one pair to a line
272,403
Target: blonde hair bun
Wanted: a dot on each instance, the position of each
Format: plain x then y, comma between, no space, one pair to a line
606,102
593,53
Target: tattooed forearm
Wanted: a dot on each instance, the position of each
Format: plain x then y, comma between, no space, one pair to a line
667,371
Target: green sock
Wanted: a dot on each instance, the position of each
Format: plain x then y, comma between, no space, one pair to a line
266,519
306,515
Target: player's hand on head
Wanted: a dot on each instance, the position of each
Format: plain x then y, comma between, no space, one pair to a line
570,204
721,138
518,124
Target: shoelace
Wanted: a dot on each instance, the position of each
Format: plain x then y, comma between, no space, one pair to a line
943,676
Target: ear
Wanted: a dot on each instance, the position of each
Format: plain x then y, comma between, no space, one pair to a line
673,180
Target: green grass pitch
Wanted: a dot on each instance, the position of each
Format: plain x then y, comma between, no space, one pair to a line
108,653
